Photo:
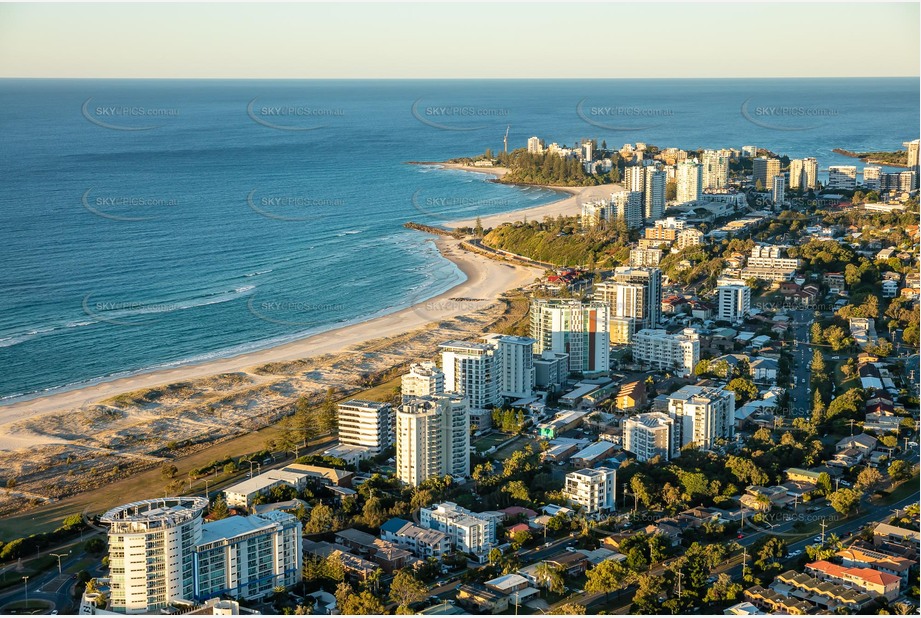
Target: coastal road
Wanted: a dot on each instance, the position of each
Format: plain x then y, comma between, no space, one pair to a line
801,394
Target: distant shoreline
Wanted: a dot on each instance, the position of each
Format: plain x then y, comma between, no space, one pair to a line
859,156
568,205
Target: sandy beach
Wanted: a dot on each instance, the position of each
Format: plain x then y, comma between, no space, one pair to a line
567,206
486,279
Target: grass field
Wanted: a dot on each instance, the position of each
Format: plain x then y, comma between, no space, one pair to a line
150,483
489,441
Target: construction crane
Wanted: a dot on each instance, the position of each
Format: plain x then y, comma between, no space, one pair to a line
505,139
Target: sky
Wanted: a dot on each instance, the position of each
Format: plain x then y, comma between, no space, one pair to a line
552,40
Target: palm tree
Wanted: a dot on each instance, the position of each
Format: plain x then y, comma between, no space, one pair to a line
550,578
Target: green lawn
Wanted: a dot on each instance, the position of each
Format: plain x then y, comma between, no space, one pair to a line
493,439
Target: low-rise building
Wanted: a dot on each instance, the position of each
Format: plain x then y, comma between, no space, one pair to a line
595,490
874,583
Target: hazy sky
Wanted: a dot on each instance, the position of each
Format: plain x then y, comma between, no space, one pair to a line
452,40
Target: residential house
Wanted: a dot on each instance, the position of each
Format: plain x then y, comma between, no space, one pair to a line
874,583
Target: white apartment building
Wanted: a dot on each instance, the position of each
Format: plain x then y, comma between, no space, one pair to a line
579,329
473,533
804,173
627,205
650,435
161,552
423,379
594,213
151,552
689,178
366,423
871,175
715,164
634,178
842,177
627,303
654,193
516,366
535,145
433,438
471,371
779,191
703,415
248,557
593,489
689,238
640,258
734,302
771,256
649,310
656,348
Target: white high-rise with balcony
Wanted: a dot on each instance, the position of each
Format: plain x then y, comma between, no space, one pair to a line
627,205
654,193
734,302
715,173
689,178
471,371
650,435
423,379
656,348
579,329
433,438
703,415
366,423
160,552
594,489
516,366
151,552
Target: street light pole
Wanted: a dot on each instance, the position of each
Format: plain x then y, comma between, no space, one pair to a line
25,580
59,556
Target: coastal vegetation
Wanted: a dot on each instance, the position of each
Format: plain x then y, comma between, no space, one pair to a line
559,241
898,158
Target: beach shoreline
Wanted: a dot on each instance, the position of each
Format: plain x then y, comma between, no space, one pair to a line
569,206
484,280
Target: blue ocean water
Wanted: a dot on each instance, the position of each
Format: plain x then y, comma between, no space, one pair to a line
154,223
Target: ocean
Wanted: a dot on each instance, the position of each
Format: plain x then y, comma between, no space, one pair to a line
153,223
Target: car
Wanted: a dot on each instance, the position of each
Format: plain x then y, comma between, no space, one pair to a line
711,579
795,553
570,548
548,543
740,536
817,539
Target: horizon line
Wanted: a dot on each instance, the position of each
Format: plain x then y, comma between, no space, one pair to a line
248,78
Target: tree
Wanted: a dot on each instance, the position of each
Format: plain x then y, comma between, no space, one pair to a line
723,590
868,477
351,604
571,609
321,519
550,577
744,389
405,590
646,599
823,483
219,509
169,471
605,577
845,500
373,513
517,491
642,488
899,470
